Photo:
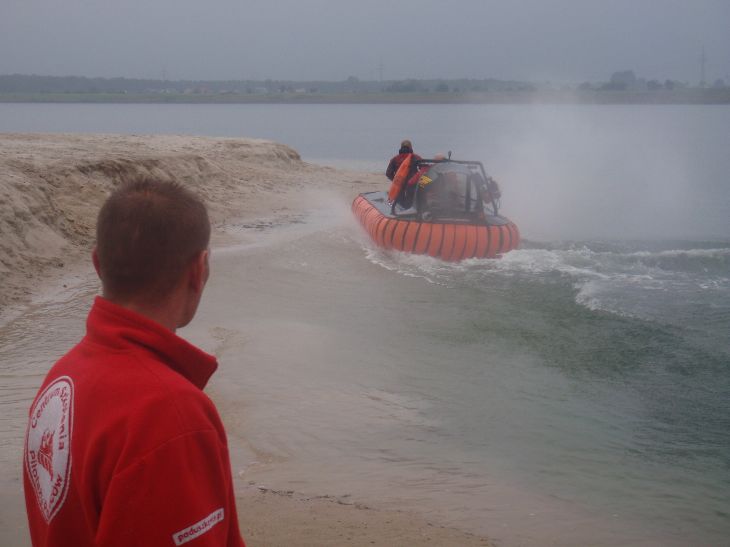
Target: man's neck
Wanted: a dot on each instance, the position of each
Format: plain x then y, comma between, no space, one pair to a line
164,313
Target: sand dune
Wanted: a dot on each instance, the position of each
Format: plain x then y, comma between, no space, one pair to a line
51,187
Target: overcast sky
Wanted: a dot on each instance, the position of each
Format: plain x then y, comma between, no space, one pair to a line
535,40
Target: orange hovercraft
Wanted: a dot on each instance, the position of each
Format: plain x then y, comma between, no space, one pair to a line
440,207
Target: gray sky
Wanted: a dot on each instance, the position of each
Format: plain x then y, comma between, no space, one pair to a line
536,40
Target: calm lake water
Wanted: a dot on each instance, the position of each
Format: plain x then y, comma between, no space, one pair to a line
589,369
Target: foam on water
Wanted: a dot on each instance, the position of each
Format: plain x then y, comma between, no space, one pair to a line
622,281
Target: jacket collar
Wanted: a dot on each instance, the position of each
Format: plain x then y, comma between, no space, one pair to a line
119,328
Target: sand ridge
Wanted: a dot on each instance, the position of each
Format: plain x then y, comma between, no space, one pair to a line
51,187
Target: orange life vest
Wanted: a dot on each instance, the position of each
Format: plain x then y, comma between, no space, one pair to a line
400,178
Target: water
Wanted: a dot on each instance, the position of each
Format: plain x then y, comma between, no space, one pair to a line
622,373
576,391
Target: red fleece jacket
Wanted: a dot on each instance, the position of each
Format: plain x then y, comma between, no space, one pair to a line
123,447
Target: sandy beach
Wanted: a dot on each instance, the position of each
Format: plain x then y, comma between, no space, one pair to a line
51,187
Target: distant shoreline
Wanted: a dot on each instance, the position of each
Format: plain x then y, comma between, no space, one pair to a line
660,97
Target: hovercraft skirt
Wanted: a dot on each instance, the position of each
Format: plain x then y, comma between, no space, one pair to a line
447,241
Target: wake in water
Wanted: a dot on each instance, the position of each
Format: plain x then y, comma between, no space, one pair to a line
637,334
633,280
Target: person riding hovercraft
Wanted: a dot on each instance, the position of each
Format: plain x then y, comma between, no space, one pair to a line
442,188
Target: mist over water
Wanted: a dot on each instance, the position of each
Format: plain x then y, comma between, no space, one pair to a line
620,173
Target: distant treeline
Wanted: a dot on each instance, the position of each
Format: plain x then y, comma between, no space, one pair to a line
20,83
623,87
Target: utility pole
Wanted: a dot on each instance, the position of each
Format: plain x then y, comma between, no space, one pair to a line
380,70
703,62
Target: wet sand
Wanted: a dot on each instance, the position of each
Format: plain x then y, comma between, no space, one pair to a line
50,189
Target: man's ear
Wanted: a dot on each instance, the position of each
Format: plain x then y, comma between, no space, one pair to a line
95,261
199,270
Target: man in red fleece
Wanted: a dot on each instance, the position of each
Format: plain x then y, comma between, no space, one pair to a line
123,447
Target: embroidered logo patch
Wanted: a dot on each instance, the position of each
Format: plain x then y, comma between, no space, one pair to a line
199,528
48,445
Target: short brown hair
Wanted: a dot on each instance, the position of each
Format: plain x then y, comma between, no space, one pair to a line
147,231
